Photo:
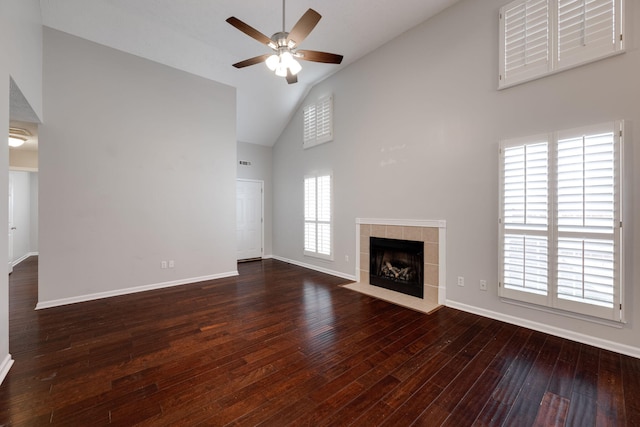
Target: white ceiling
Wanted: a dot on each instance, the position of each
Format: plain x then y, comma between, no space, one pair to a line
192,35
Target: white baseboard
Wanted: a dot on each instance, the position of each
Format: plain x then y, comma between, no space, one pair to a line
118,292
5,366
316,268
22,258
552,330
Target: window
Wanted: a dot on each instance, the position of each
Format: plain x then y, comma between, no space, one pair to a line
318,122
540,37
317,217
560,225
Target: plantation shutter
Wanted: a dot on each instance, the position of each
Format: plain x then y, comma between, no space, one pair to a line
324,215
324,122
310,214
540,37
524,40
587,219
317,216
560,223
318,122
309,123
525,232
587,29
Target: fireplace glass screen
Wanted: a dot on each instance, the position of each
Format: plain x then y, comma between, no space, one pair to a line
397,265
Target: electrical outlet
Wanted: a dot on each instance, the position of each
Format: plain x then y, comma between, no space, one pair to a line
483,285
163,264
460,281
171,264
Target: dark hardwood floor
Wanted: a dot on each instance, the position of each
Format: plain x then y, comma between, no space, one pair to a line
282,345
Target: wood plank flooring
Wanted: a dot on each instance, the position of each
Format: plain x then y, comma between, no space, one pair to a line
281,345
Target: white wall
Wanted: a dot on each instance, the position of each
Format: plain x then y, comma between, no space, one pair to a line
20,59
33,219
22,215
417,127
260,169
137,165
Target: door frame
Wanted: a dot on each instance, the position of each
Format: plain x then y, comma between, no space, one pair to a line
261,182
11,221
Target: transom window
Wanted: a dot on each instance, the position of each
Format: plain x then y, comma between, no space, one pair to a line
540,37
318,122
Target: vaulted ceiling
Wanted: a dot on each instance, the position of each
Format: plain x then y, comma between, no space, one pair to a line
192,35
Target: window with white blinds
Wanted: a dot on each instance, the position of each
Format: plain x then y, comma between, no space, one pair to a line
540,37
318,122
317,216
560,233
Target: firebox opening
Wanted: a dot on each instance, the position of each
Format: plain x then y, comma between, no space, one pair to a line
397,265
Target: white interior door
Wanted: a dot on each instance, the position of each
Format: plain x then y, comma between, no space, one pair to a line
11,226
249,221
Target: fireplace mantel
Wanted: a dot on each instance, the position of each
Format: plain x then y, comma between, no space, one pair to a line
431,232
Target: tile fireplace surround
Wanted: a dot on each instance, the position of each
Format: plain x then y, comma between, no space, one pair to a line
432,233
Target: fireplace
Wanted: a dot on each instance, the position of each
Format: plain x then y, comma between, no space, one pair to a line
397,265
431,234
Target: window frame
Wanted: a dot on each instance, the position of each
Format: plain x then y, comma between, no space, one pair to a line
590,52
316,221
552,299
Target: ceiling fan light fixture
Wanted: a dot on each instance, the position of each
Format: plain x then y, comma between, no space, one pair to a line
294,66
281,70
286,58
16,141
272,62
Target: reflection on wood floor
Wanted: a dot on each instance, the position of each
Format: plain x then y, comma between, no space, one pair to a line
282,345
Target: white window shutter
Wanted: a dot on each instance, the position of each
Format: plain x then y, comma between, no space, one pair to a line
587,215
310,214
524,239
560,228
541,37
324,215
524,41
324,127
318,217
587,30
318,122
309,123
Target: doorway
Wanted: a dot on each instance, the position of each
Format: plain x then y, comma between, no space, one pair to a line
249,219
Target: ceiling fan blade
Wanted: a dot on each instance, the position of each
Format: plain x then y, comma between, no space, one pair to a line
315,56
252,61
249,30
291,78
304,26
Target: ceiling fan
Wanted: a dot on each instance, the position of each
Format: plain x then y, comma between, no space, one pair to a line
283,60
